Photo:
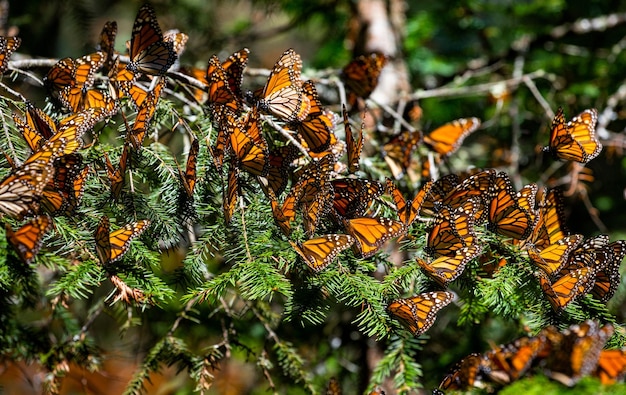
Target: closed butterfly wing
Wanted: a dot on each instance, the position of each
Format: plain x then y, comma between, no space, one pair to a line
316,130
149,53
107,44
231,194
419,312
554,257
8,45
353,146
398,151
567,288
26,241
447,139
249,146
575,140
189,177
61,75
608,277
144,116
111,246
117,175
445,269
361,75
438,191
506,217
371,233
319,252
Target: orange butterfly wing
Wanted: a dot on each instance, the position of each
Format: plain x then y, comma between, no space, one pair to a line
27,239
8,45
447,139
371,233
149,53
282,95
319,252
575,140
111,246
419,312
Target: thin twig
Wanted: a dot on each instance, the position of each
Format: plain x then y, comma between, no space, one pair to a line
478,89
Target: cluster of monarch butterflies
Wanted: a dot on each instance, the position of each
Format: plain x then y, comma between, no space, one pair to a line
50,182
567,267
565,356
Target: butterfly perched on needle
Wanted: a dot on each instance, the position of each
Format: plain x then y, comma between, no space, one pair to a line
419,312
319,252
361,75
574,140
27,239
111,246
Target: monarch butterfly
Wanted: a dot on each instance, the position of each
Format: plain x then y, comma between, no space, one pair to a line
62,194
438,191
526,199
354,196
248,144
68,138
189,177
566,288
312,193
575,140
511,361
319,252
36,128
407,210
550,222
554,257
144,115
446,139
111,246
361,75
8,45
76,96
445,269
61,75
230,196
107,44
178,40
506,217
419,312
464,374
611,366
21,189
149,53
371,233
26,241
316,130
609,277
478,186
452,230
354,147
220,93
279,165
577,354
117,175
398,150
282,95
